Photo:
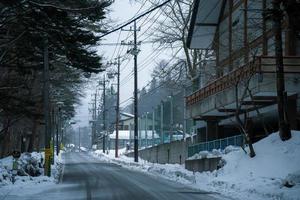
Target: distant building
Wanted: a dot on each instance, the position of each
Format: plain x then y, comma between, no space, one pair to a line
126,120
146,138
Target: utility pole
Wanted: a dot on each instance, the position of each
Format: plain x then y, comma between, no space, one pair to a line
153,126
103,83
58,128
135,52
146,129
79,138
52,131
104,115
47,168
284,127
172,118
94,118
184,113
117,110
162,122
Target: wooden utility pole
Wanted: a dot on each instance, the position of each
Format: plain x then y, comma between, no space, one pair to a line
135,51
94,118
104,115
117,110
284,127
79,137
58,130
47,167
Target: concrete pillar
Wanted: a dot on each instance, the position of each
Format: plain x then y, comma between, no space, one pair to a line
212,130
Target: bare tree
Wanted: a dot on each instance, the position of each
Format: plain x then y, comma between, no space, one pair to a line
171,31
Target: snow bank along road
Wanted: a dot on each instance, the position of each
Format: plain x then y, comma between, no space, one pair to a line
85,177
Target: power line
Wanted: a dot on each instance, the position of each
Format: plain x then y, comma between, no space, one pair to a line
170,70
126,100
153,22
142,65
116,46
135,18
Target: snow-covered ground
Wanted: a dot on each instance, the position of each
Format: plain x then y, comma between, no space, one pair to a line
30,174
269,175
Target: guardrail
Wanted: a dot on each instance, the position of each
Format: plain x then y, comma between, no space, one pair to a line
237,140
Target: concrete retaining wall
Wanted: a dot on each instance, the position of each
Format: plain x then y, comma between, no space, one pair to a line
204,164
174,152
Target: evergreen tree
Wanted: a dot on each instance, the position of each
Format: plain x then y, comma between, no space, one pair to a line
69,29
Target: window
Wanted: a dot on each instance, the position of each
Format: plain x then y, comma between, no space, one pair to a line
238,29
238,62
255,19
126,127
271,45
223,40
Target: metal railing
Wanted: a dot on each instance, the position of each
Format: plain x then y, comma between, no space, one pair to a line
237,140
261,64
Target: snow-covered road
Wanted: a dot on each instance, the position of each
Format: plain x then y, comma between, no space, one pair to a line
85,177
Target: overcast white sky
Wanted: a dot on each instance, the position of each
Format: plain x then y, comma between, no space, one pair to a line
122,11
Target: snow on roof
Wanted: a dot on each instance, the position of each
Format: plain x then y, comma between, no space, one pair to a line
126,135
127,114
205,18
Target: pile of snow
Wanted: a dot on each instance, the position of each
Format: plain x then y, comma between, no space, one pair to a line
30,168
109,154
274,173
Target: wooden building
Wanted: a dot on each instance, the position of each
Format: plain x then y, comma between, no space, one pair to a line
243,74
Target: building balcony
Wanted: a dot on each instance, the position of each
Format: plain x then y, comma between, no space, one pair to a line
219,97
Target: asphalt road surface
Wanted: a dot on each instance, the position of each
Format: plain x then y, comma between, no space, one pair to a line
87,178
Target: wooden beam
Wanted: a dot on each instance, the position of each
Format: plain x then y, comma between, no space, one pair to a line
211,117
231,110
206,24
270,98
258,102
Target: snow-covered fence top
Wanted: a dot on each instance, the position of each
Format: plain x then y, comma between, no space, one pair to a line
237,140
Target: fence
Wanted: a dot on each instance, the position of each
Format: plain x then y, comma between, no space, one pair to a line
237,140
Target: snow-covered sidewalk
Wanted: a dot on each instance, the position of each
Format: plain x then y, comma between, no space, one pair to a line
274,173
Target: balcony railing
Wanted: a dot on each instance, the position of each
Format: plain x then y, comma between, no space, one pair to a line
262,64
221,144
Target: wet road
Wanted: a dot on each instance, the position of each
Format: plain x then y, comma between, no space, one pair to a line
85,177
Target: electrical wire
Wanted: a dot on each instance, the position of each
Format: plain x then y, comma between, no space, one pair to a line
135,19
